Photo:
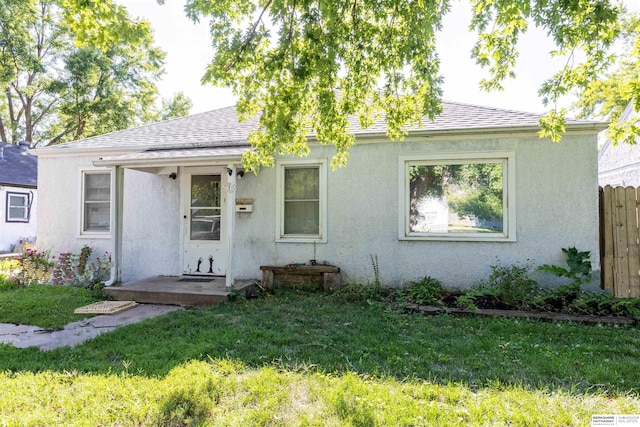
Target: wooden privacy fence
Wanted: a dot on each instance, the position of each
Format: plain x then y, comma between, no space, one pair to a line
620,241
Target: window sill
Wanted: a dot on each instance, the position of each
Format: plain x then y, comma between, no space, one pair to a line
94,236
300,239
441,238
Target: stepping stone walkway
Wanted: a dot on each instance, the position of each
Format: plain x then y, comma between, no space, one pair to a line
23,336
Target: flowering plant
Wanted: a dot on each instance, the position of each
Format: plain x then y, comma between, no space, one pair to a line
34,267
79,270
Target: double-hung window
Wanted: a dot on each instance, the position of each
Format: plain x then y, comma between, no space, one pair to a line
301,209
458,196
18,206
96,202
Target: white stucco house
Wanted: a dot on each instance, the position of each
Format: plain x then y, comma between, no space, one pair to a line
619,165
171,198
18,195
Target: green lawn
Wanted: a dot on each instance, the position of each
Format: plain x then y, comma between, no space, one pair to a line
46,306
310,359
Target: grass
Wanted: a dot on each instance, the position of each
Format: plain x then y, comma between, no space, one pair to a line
312,359
46,306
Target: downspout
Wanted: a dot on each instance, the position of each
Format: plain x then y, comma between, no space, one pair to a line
231,225
117,183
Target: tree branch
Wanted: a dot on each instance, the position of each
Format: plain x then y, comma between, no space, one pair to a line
44,112
251,34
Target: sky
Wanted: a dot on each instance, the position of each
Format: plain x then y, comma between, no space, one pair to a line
188,49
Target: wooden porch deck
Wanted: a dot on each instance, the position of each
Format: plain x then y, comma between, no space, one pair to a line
177,290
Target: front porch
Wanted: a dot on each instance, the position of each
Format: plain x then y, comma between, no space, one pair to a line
178,290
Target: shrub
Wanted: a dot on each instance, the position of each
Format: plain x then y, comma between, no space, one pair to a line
34,267
511,285
80,270
426,291
579,267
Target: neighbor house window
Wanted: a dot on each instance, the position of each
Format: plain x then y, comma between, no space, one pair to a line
17,207
96,202
461,196
301,201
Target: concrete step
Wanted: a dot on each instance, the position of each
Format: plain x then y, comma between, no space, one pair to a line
164,297
177,290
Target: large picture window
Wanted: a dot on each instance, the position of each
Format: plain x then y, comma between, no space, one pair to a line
18,206
463,196
301,201
96,202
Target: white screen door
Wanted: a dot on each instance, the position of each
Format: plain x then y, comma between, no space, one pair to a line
204,222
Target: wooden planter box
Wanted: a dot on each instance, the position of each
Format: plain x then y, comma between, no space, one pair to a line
328,276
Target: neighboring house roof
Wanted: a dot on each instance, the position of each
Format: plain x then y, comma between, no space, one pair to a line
621,160
18,166
222,128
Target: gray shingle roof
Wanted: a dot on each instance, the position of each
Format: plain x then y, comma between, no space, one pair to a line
18,166
222,128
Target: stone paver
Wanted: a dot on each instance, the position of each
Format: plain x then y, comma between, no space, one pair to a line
23,336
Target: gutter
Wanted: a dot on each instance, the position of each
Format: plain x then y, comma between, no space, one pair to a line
591,127
53,151
10,184
117,180
189,161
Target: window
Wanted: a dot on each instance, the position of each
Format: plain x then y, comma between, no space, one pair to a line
301,202
462,196
96,202
18,207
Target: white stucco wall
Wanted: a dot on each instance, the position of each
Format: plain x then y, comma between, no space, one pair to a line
151,242
619,165
12,232
556,194
151,217
59,201
556,190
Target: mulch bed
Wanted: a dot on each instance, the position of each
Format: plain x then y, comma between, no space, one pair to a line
548,316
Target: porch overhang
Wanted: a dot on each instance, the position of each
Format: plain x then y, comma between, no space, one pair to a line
157,161
167,161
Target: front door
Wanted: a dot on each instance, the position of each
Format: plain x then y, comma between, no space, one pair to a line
204,221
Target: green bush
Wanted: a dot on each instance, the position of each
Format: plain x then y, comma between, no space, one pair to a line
579,267
426,291
511,285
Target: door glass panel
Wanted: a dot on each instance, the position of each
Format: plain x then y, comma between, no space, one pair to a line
205,211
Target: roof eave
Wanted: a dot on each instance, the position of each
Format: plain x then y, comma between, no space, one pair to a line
573,128
185,161
67,150
13,184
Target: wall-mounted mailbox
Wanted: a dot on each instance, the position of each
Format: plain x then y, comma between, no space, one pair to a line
244,208
244,205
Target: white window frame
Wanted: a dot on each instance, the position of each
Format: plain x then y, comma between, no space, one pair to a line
508,159
281,166
27,206
95,233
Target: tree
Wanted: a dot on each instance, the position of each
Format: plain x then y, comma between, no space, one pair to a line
307,65
178,106
609,96
72,70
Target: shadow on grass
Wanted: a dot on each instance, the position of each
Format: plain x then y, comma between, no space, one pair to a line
316,331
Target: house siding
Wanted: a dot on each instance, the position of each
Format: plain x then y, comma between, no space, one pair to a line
11,233
556,202
556,194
